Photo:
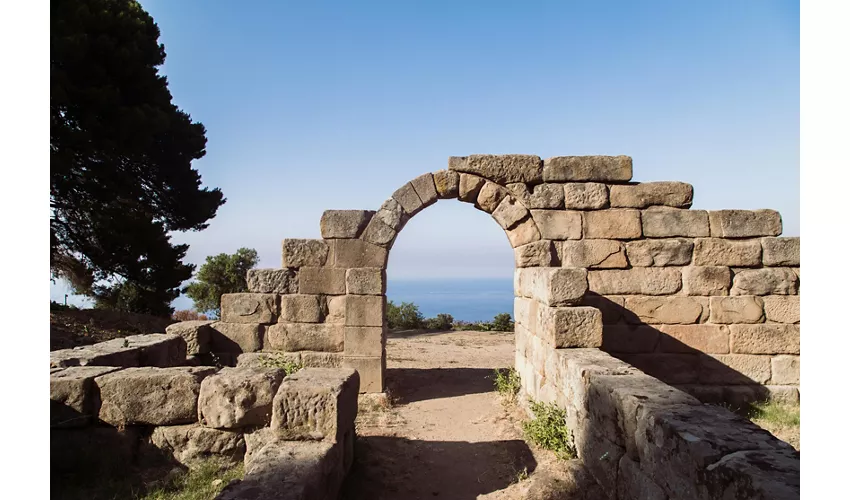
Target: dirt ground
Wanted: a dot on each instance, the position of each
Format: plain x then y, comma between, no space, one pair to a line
447,433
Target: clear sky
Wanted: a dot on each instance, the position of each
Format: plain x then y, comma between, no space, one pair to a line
333,105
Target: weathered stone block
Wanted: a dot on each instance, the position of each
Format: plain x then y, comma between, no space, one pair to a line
664,222
585,195
446,183
408,199
756,474
366,281
537,254
469,187
235,337
781,251
267,359
151,349
669,368
633,483
302,308
238,397
490,196
782,308
785,370
196,334
706,280
358,253
192,444
587,168
558,224
766,281
273,280
316,404
666,310
734,369
260,308
613,307
765,339
525,313
72,398
741,309
629,338
647,194
321,280
546,196
593,254
672,252
710,339
304,252
378,233
371,370
562,327
523,233
293,337
509,213
745,223
336,309
425,188
392,214
503,169
314,359
365,310
344,223
722,252
615,224
151,396
553,286
364,341
636,281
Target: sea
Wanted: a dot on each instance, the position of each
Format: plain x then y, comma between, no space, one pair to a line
465,300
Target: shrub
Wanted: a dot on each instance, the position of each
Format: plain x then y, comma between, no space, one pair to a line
502,323
279,361
506,381
188,315
548,429
441,322
405,316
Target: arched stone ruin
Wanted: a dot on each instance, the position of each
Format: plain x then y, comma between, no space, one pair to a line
621,289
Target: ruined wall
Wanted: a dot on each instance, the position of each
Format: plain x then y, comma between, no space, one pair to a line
705,300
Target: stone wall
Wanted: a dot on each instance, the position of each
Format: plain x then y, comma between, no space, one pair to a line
705,300
150,408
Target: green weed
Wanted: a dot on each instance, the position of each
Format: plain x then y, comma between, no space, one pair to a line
280,361
506,382
202,483
548,429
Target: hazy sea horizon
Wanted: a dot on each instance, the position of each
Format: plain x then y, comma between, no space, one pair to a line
465,299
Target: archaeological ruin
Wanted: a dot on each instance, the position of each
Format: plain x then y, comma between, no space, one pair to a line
632,313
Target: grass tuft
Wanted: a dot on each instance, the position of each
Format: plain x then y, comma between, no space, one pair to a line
776,413
507,383
202,483
548,429
280,361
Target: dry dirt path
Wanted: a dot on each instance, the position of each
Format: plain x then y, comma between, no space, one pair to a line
447,434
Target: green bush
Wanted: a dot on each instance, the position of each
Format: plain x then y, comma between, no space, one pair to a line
548,429
506,381
502,323
279,361
405,316
441,322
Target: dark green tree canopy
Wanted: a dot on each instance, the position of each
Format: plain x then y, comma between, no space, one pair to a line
120,167
222,273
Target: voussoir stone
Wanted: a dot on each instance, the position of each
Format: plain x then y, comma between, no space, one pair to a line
447,183
378,233
249,308
490,196
304,252
344,223
292,337
723,252
536,254
192,445
409,200
765,281
523,233
238,397
545,196
509,213
615,224
664,252
638,280
469,186
745,223
558,224
666,222
316,404
151,396
425,188
781,251
273,280
392,214
503,169
587,168
647,194
585,196
593,254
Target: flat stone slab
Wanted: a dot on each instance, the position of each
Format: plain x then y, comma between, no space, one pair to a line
153,349
191,444
316,404
72,398
151,396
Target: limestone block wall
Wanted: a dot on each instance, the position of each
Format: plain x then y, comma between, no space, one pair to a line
705,300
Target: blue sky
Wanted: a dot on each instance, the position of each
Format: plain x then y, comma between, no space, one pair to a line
331,105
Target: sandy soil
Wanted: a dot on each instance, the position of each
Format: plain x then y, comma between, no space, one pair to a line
447,433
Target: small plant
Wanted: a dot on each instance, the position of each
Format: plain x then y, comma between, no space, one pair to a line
775,412
205,481
502,323
548,429
279,361
521,476
507,383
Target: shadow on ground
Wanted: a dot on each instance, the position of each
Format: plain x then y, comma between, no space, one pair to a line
408,385
397,468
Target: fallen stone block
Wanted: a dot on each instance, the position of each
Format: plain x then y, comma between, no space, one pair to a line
73,401
151,396
587,168
152,349
238,397
344,223
192,444
196,334
316,404
281,281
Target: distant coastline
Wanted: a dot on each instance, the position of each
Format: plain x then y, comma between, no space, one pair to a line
466,299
